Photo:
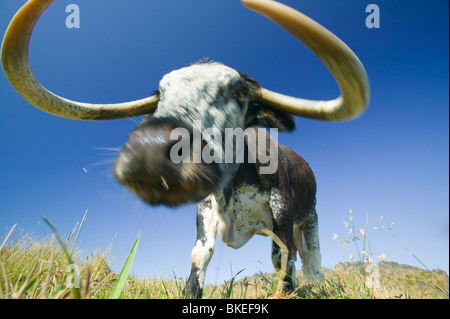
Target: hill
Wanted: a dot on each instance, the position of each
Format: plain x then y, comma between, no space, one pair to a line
386,279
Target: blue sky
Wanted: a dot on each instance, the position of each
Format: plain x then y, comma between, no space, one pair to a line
392,161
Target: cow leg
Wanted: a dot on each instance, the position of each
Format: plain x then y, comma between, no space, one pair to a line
311,259
203,249
288,280
281,209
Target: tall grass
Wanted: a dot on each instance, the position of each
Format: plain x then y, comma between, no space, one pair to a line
45,268
35,268
367,259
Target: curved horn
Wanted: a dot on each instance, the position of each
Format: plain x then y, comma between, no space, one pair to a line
14,58
343,64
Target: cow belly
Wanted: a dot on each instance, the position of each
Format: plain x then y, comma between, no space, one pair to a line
247,214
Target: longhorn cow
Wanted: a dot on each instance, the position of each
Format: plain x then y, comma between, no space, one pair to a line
236,199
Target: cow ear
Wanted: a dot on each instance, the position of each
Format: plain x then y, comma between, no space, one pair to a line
270,118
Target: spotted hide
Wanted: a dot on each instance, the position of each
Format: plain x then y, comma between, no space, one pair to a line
283,203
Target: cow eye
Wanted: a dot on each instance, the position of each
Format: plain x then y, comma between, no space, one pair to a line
240,93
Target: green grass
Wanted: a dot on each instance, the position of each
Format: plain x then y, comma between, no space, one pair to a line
44,268
123,276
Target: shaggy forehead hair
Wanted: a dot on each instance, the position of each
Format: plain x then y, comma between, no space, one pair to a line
201,92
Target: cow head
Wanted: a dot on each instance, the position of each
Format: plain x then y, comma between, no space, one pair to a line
201,101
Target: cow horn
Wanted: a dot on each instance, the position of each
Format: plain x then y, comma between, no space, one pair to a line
15,63
340,60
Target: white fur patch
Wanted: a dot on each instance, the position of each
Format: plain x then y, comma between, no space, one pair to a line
200,93
246,215
277,201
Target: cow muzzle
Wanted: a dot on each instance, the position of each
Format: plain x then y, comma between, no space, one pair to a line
146,166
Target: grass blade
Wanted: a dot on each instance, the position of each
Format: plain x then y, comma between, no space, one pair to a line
78,233
121,281
166,293
59,239
76,291
7,237
229,289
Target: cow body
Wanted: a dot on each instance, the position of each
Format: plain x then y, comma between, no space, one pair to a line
283,203
238,199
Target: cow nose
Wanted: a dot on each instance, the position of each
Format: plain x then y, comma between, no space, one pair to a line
146,154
